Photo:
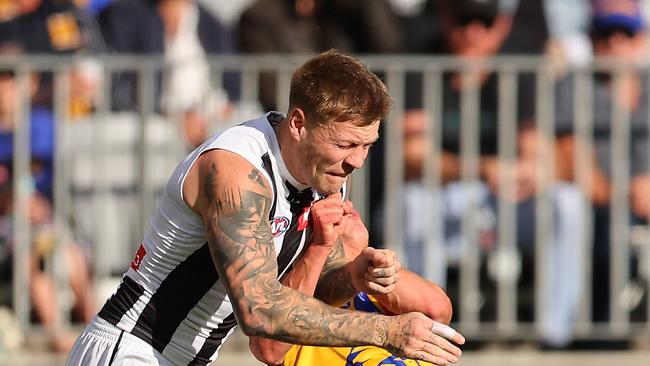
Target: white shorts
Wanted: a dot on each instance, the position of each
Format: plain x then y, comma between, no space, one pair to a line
102,343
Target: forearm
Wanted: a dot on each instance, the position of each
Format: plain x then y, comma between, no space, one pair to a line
302,277
336,286
283,314
414,293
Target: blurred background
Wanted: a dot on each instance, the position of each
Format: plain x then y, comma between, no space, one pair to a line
513,170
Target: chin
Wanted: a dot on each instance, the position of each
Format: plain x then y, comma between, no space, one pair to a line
330,186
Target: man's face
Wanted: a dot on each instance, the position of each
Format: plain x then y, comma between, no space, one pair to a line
473,39
332,151
619,43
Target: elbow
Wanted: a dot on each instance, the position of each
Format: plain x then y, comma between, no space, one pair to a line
254,321
265,352
440,307
252,325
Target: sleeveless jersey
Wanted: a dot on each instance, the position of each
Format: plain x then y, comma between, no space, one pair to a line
349,356
172,296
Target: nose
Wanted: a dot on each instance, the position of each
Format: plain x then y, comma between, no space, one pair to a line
357,157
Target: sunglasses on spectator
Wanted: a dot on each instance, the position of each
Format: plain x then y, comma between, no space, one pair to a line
467,20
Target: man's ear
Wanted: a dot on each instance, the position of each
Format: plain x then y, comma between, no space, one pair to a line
297,123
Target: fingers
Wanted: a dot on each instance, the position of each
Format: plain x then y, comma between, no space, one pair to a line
447,332
382,274
348,209
439,355
326,215
380,257
328,211
439,350
425,339
444,348
381,285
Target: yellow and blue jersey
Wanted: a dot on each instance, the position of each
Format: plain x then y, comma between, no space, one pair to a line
349,356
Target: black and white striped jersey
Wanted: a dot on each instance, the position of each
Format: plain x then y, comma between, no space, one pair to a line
172,296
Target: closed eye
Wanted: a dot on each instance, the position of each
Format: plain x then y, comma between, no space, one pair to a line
345,146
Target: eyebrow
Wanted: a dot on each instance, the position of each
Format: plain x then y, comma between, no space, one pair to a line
357,142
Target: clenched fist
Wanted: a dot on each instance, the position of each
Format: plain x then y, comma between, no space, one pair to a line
375,271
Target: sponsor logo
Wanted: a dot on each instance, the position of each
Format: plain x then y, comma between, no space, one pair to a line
279,225
135,264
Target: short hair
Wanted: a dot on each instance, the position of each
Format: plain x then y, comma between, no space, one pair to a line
335,87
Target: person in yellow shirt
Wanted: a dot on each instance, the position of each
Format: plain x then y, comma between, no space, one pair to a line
396,293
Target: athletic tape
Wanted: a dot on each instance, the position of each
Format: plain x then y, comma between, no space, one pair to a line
443,330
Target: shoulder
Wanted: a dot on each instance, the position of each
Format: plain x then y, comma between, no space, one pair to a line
220,176
251,140
226,166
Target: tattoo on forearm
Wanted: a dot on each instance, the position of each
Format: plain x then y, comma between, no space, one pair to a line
335,284
335,258
242,248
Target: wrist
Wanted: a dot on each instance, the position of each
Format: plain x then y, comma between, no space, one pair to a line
356,271
385,336
318,249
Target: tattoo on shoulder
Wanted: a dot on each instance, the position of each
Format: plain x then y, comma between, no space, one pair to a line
256,177
242,215
209,182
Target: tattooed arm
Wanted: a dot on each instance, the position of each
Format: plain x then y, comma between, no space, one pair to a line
375,271
235,204
305,272
412,293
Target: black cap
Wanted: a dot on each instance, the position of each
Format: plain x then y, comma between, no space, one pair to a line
467,11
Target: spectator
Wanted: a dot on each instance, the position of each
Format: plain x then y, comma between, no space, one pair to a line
419,22
226,11
309,26
568,23
49,26
618,32
474,29
41,285
278,26
60,27
185,34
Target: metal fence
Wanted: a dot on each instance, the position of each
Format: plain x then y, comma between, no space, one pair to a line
110,166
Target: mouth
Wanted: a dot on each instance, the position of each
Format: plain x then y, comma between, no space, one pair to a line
340,175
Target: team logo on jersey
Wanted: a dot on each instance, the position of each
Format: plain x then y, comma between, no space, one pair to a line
135,264
279,225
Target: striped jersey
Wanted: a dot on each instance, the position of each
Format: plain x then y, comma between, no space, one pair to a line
171,296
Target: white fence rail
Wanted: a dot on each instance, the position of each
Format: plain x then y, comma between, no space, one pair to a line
109,167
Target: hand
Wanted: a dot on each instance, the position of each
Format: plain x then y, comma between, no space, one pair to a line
415,336
326,215
352,231
375,271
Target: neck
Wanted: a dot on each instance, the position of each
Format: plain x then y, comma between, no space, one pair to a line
288,148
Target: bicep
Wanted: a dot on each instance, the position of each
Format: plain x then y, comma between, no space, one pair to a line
236,203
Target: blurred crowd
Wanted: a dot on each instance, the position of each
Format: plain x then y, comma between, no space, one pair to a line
185,33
